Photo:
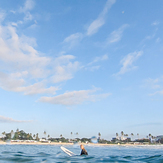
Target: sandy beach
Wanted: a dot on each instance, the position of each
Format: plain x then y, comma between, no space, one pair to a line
57,143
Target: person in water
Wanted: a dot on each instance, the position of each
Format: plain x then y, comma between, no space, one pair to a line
83,150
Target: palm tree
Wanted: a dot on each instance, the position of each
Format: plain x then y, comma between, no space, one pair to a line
138,135
71,135
150,136
116,135
122,134
132,135
99,134
61,135
45,134
34,136
37,138
4,134
17,130
28,135
48,136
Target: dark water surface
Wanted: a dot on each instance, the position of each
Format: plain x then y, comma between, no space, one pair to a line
53,153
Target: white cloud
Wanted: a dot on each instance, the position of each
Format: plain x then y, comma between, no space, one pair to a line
14,24
73,39
29,5
18,53
37,88
98,59
2,16
74,97
13,11
153,83
116,35
16,83
10,120
28,16
157,92
155,23
100,21
24,69
149,37
93,68
90,66
156,84
158,40
127,62
64,68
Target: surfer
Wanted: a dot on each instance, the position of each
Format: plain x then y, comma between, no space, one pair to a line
83,150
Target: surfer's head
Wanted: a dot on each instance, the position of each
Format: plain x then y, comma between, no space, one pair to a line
82,146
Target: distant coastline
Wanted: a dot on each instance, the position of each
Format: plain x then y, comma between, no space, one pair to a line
61,143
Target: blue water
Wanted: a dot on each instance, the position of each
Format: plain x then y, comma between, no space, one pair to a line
53,153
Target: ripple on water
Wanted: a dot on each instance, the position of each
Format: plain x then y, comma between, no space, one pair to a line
50,154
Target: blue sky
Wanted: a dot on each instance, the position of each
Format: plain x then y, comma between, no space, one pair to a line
81,66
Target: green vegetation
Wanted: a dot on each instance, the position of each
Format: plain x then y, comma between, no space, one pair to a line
123,139
18,135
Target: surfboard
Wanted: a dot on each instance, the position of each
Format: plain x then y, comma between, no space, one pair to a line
68,152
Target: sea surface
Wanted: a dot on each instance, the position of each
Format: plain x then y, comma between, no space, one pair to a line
53,153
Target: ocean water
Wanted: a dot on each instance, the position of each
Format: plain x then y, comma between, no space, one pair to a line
53,153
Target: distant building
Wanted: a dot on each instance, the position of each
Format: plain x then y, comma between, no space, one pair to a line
43,140
158,138
121,139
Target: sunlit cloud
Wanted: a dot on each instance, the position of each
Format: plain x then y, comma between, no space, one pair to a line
2,16
28,5
10,120
157,93
95,63
100,21
98,59
24,69
158,40
64,68
74,97
116,35
127,62
73,40
155,84
155,23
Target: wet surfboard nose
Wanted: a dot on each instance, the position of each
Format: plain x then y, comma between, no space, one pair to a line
68,152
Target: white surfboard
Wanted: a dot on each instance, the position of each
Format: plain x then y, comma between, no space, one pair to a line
67,151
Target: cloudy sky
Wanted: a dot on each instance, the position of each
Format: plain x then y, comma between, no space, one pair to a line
81,66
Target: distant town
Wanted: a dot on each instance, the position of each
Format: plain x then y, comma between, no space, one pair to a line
21,136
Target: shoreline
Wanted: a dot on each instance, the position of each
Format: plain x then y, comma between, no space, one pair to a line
85,144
